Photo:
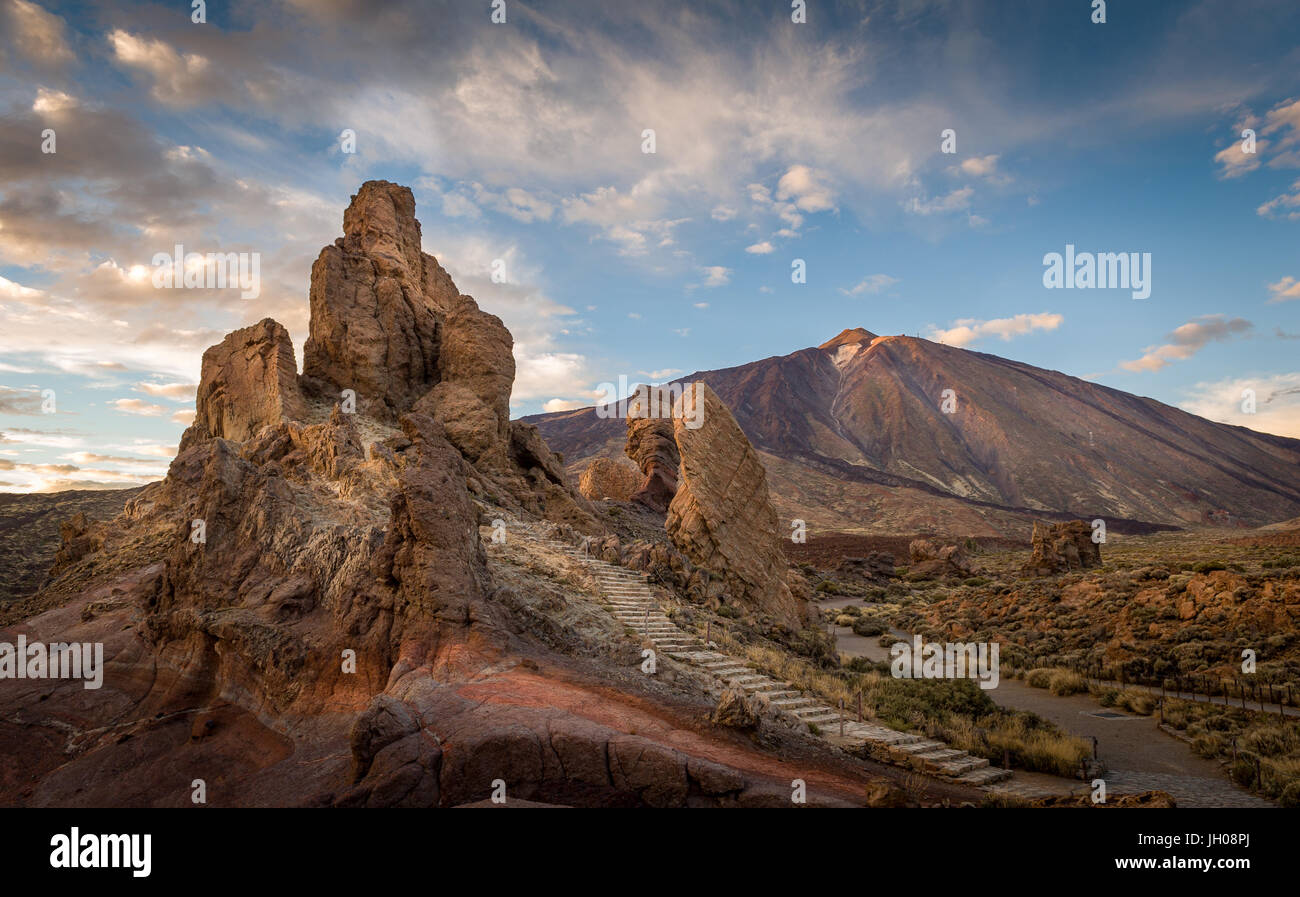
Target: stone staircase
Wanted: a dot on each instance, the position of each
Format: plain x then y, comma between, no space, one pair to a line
629,598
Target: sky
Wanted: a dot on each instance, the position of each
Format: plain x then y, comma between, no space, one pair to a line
777,145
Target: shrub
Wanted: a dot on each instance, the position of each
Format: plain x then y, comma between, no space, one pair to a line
1064,682
1208,566
1039,678
866,626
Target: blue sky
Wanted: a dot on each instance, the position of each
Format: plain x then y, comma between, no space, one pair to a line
775,141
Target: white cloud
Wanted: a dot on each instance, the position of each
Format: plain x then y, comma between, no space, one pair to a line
40,34
955,201
1277,403
1285,206
1284,290
1188,339
178,79
969,330
806,188
716,275
871,284
137,406
762,248
552,405
180,392
980,166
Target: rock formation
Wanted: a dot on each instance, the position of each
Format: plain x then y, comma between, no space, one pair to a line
652,445
1058,547
722,516
877,565
303,611
930,559
615,479
249,380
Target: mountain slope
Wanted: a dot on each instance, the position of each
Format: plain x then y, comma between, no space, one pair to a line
866,411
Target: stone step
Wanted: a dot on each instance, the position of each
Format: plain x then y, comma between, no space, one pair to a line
984,776
825,718
919,746
962,765
778,695
939,755
815,709
792,703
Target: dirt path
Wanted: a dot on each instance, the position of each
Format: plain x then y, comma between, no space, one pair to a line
1138,755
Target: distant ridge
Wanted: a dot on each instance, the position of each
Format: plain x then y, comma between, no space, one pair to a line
853,432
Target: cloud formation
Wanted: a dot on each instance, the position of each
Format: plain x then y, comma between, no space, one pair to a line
1188,339
969,330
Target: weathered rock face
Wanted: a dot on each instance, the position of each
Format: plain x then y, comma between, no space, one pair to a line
1058,547
249,380
932,559
374,322
875,566
652,447
615,479
304,608
722,516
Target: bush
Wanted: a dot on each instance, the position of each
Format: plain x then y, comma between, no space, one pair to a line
1290,796
1209,566
866,626
1039,678
1064,682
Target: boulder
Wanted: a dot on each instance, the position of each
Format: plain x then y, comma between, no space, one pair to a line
930,559
615,479
875,566
1058,547
722,516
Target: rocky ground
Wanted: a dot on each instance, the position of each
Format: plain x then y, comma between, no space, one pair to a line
1160,605
321,604
29,532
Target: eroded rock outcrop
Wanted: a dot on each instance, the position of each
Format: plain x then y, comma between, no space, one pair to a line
615,479
722,516
249,380
1058,547
304,611
930,559
374,311
652,446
